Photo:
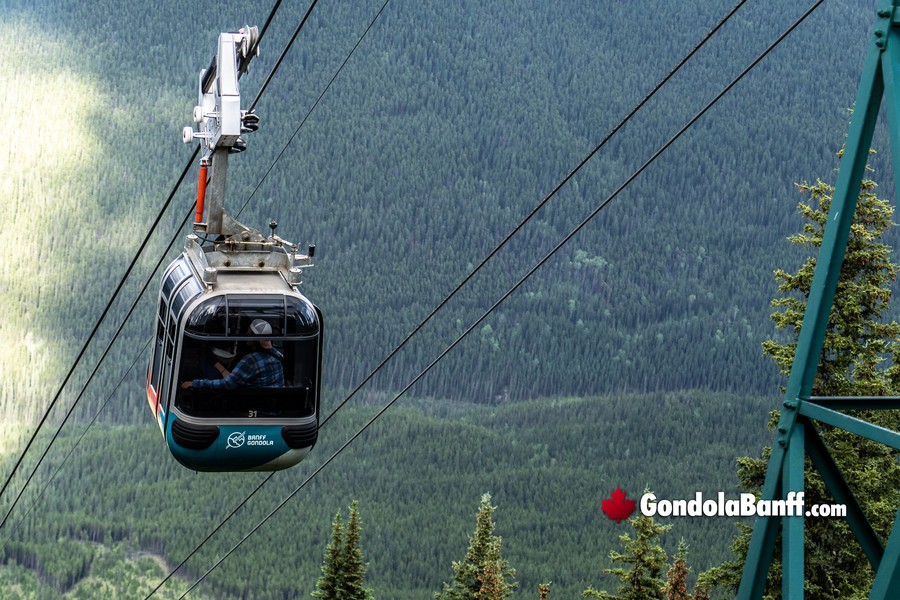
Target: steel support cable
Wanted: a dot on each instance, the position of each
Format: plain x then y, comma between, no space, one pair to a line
315,104
265,27
305,118
74,446
519,283
540,204
143,290
99,322
509,236
131,267
283,53
85,386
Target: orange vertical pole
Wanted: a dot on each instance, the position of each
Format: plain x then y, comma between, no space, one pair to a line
201,191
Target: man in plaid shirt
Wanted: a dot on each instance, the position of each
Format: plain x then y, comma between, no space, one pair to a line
260,368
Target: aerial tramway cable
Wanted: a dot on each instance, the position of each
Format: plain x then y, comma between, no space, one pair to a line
171,243
313,107
283,53
528,217
518,284
542,203
115,294
93,333
84,388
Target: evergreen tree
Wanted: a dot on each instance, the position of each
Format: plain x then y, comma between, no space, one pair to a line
352,583
701,593
676,577
856,345
343,569
484,574
543,591
644,559
329,585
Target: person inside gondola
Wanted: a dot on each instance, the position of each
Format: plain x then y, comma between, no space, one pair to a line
262,367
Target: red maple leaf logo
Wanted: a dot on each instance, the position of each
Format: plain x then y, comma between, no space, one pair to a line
617,507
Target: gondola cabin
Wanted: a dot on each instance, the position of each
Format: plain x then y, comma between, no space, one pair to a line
214,320
234,377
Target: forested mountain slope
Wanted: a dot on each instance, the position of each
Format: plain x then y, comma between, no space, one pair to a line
448,124
418,474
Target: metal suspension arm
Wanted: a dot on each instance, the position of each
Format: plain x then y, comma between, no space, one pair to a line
220,118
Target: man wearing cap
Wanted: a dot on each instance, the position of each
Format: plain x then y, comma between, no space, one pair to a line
262,367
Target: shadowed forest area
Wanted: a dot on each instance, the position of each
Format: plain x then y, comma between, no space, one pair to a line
632,358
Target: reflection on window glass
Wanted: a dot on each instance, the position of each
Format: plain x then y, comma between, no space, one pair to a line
243,311
300,316
217,337
208,318
157,355
176,276
190,289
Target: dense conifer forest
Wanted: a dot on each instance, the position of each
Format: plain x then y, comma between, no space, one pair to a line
632,358
418,478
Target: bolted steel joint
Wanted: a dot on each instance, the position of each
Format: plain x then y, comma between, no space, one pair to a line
210,275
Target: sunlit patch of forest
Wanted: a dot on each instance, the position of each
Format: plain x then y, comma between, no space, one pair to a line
631,358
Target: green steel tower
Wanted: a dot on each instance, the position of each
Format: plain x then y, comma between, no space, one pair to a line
795,437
